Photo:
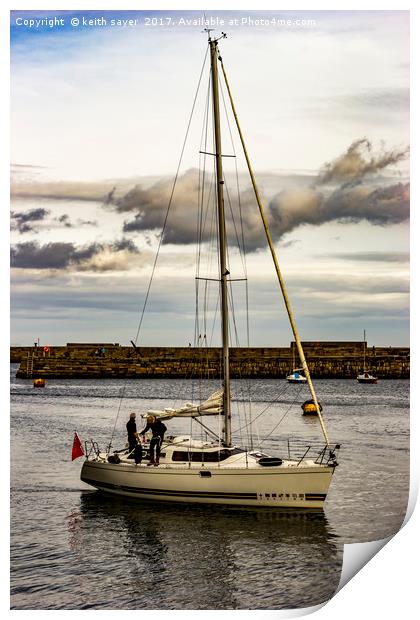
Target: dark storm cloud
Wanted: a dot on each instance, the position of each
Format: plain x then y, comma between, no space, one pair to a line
23,220
61,255
57,255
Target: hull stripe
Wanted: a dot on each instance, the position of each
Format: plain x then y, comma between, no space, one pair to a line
180,493
175,493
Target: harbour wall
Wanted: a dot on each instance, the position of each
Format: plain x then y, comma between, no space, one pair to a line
326,360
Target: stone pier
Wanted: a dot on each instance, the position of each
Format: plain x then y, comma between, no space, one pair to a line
326,360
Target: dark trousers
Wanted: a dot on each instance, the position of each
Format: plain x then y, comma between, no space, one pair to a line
131,447
155,443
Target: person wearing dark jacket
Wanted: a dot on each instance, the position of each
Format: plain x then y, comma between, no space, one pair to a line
158,431
132,433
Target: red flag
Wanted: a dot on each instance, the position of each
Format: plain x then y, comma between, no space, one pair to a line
77,449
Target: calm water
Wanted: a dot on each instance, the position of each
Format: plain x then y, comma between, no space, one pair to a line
73,548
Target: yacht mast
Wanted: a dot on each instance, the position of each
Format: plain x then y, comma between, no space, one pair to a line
227,431
364,350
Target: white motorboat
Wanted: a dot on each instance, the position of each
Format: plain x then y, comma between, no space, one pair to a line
216,470
366,377
296,377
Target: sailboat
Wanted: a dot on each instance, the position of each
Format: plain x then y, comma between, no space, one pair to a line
216,470
295,376
365,376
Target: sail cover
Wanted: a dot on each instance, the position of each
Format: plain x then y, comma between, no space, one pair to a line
212,406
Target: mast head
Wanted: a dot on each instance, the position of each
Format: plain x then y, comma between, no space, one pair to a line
208,30
216,39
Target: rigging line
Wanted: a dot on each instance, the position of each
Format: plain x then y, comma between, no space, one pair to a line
232,313
202,180
216,312
162,233
241,248
282,418
234,225
207,288
210,252
201,190
170,201
270,404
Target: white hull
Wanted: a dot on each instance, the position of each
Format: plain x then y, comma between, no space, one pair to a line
288,486
296,377
369,379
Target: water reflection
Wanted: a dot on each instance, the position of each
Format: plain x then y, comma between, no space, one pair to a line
174,556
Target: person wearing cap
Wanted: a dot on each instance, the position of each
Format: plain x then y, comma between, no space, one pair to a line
132,433
158,431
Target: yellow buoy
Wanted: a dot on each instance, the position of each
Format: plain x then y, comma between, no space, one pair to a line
309,408
39,382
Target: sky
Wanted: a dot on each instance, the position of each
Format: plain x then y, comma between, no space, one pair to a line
99,115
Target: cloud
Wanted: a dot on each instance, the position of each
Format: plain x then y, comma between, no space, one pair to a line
348,189
374,257
65,219
358,162
21,220
291,243
387,205
87,222
150,206
353,201
339,286
120,255
61,190
383,206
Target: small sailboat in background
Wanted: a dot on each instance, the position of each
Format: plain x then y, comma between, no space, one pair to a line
295,376
365,376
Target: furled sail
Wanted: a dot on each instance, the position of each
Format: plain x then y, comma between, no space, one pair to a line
212,406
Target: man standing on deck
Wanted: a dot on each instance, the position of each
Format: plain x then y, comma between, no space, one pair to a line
158,431
132,434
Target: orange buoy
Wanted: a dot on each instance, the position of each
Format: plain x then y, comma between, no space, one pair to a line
39,382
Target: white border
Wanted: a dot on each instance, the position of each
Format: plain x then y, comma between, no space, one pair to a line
387,586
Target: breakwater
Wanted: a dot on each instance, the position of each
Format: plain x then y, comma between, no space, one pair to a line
326,360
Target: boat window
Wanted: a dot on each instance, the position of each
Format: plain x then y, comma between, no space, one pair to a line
204,457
